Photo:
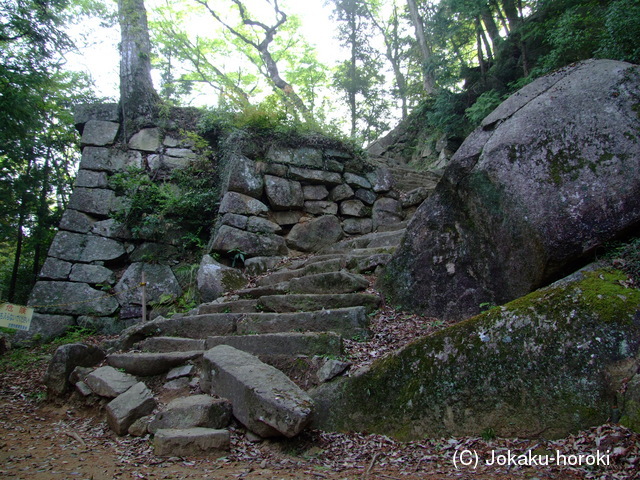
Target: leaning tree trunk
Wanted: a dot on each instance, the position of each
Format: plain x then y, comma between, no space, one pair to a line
138,99
425,48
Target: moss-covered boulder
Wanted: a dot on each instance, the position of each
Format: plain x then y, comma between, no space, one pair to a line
547,364
549,176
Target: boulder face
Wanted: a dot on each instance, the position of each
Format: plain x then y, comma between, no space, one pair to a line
550,175
550,363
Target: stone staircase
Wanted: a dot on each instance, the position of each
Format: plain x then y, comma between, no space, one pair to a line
259,348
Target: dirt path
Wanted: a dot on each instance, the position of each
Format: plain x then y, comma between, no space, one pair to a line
67,439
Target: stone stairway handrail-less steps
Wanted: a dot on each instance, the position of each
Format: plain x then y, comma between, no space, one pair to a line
300,310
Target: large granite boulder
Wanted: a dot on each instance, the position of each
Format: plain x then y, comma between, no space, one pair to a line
550,175
547,364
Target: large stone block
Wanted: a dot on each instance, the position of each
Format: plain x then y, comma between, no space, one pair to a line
64,360
244,176
147,364
94,274
44,328
263,398
109,159
135,403
95,201
283,194
160,282
91,179
188,442
194,326
286,343
252,244
85,112
109,382
193,411
71,298
99,133
76,247
75,221
214,279
315,176
54,269
300,157
148,140
348,322
315,234
241,204
386,211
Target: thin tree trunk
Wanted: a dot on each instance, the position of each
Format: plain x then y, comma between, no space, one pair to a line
511,11
13,283
425,49
138,99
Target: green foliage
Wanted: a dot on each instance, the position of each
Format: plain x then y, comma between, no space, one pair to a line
626,257
488,434
185,201
486,103
237,256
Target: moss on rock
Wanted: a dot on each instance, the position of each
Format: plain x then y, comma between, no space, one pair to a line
535,367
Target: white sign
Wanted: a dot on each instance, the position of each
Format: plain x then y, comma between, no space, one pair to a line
15,316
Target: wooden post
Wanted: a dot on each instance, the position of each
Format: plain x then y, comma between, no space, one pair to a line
143,284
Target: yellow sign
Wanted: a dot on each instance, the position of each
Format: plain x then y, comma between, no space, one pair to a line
15,316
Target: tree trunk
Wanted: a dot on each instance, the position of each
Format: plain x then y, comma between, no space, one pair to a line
425,49
138,99
511,11
352,73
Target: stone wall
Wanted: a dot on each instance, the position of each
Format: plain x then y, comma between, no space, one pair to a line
302,199
274,198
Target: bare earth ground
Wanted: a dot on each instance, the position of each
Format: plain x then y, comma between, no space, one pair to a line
67,439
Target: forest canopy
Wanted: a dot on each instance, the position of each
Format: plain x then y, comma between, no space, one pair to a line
445,64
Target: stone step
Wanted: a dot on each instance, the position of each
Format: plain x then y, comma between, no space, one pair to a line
282,344
236,306
187,442
314,302
269,344
195,326
171,344
349,322
325,266
332,282
149,364
257,292
371,240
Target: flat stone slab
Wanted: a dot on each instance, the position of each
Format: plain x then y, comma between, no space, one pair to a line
237,306
128,407
326,343
349,322
192,442
331,282
264,399
148,364
196,326
193,411
109,382
170,344
313,302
